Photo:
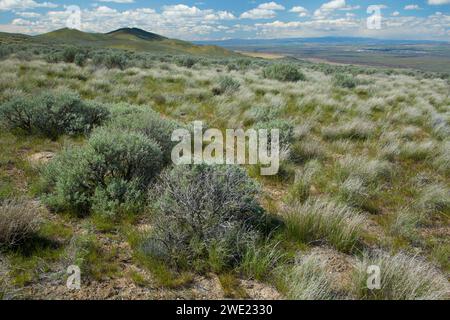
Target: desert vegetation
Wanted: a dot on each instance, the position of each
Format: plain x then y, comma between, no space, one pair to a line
86,178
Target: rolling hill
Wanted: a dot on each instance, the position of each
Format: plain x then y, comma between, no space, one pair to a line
133,39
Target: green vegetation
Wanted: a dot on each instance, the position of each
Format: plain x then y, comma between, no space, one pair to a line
402,278
283,72
321,221
108,175
86,133
19,220
52,114
213,226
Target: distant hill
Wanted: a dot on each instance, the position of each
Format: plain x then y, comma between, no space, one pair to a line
133,39
135,32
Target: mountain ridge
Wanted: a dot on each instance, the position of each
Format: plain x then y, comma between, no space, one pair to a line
133,39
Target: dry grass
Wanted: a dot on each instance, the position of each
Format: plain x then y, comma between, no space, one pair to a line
19,219
403,277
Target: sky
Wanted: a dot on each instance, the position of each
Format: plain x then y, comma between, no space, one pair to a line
234,19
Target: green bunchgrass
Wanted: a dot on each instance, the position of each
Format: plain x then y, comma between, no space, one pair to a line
320,221
95,262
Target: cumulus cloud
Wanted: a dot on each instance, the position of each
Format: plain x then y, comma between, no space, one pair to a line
395,26
336,18
328,8
6,5
178,21
302,12
271,6
118,1
438,2
412,7
263,11
184,11
26,14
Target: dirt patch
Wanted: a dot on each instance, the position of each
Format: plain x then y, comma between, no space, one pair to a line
260,291
40,158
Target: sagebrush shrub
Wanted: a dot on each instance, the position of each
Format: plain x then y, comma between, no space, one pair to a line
186,61
18,113
65,113
345,80
227,85
80,59
283,72
110,173
149,123
53,114
115,60
19,219
4,52
403,277
118,197
203,207
69,54
53,57
286,131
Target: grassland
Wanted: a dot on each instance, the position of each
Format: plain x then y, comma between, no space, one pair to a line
364,180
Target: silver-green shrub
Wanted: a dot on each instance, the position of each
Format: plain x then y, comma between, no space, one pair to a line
110,173
199,208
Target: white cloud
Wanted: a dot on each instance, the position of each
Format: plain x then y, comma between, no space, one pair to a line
328,8
26,14
395,14
6,5
263,11
184,11
118,1
194,23
258,14
271,6
302,12
412,7
173,21
435,26
438,2
333,5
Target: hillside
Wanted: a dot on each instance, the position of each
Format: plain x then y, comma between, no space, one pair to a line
133,39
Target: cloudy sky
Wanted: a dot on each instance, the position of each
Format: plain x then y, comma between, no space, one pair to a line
208,19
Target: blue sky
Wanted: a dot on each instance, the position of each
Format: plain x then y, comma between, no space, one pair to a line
207,19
